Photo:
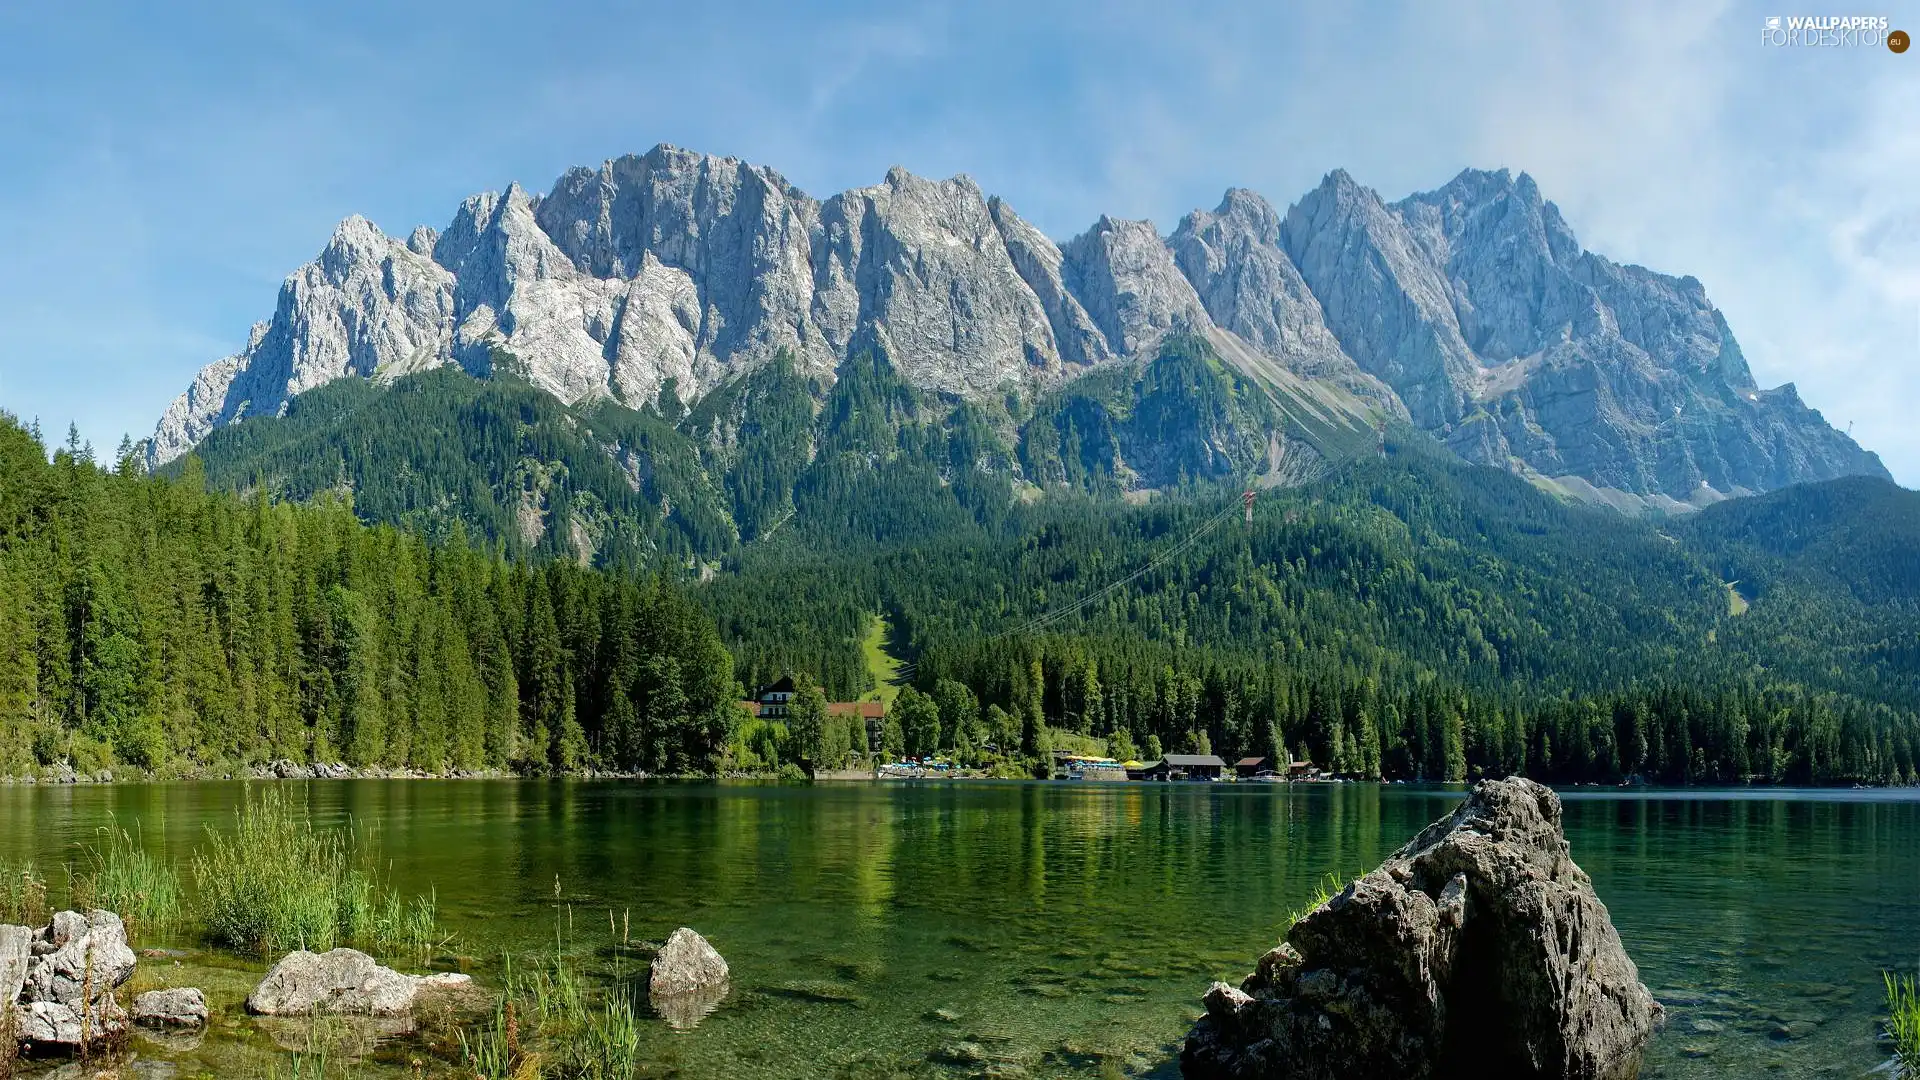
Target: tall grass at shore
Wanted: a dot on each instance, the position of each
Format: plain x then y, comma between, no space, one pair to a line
23,894
1903,1024
276,883
122,877
550,1026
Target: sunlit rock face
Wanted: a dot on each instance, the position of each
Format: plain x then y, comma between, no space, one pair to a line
1520,349
1471,310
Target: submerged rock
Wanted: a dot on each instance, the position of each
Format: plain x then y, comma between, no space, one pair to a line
185,1007
340,981
60,979
686,963
1478,949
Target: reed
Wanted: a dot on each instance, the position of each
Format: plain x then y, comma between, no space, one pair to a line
23,895
9,1048
124,878
1903,1024
275,883
550,1026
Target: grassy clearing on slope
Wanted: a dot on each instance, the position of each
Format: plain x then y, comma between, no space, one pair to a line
1736,603
881,664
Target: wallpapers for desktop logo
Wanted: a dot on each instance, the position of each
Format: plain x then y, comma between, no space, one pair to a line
1833,31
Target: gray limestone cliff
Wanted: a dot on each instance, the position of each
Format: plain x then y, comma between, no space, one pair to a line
1521,350
1471,310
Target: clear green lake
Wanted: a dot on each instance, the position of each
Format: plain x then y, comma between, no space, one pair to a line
1030,929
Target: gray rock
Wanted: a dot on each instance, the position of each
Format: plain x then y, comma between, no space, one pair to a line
1479,948
185,1007
1249,286
342,981
15,943
688,980
62,978
684,964
1125,276
53,1025
78,958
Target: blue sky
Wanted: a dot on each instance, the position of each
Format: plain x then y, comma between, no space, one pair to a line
163,170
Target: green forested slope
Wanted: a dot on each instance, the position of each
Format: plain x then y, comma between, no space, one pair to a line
1832,571
1409,616
1404,614
509,463
601,483
146,622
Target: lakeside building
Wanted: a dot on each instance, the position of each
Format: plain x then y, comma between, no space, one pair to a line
775,702
772,702
1184,767
873,712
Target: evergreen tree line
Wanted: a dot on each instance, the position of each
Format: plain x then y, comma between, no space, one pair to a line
1141,702
146,622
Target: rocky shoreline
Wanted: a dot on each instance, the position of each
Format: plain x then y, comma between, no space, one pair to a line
292,770
65,990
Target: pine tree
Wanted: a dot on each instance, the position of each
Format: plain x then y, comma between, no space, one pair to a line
807,720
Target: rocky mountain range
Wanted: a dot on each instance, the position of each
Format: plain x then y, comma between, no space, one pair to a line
655,280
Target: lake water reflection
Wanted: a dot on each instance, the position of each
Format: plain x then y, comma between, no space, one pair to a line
963,929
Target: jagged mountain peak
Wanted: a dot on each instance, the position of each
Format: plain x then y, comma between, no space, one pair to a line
1248,210
1471,309
1137,292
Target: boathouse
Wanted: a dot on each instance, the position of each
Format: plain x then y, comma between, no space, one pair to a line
1186,767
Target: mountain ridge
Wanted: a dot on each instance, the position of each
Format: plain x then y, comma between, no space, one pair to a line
1470,309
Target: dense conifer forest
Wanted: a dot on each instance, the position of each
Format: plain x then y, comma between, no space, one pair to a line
146,622
451,573
1408,617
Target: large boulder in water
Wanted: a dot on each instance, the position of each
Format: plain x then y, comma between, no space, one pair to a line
342,981
688,980
1478,949
61,978
685,964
